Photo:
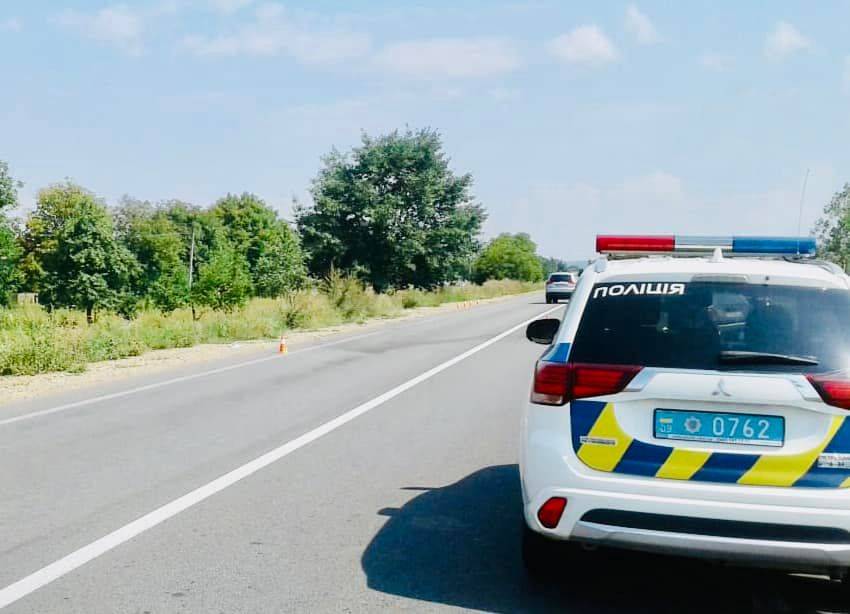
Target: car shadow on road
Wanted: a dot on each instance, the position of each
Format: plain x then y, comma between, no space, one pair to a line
459,545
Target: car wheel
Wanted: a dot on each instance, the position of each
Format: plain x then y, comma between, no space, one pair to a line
548,299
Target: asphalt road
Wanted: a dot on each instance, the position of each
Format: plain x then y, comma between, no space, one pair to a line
409,502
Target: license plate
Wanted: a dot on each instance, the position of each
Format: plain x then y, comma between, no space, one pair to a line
720,427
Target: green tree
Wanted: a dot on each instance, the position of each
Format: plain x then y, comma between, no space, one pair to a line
551,265
833,229
191,220
269,245
73,255
8,188
224,282
9,250
157,244
509,257
392,212
9,255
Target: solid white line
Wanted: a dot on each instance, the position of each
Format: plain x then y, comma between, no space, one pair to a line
174,380
184,378
66,564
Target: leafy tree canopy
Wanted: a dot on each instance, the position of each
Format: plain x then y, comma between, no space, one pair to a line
833,229
9,250
157,244
392,212
551,265
267,243
509,257
74,257
9,255
8,188
224,282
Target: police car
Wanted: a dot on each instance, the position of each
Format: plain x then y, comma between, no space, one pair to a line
695,405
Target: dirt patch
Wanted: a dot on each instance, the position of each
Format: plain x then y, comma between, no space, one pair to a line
21,387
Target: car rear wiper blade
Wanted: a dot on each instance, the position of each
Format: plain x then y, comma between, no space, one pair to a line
765,358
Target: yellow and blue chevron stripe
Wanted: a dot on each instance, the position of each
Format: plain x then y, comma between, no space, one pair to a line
620,453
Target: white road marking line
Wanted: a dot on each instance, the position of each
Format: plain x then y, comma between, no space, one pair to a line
175,380
186,378
70,562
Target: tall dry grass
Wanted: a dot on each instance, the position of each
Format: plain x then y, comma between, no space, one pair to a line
35,341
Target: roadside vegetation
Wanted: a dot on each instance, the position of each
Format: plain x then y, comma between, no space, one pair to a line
33,340
390,226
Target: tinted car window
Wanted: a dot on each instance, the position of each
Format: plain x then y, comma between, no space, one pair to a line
561,277
688,325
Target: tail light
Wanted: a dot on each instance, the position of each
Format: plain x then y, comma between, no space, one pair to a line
557,383
551,383
550,512
832,389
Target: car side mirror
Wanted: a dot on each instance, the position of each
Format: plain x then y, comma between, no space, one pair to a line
543,331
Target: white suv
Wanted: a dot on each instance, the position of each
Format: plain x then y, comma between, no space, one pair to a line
695,406
560,286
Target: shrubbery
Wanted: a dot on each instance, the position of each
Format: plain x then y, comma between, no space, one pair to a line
33,340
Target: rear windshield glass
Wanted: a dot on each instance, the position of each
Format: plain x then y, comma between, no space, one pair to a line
560,277
702,325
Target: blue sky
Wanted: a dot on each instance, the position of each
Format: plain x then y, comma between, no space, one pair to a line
574,118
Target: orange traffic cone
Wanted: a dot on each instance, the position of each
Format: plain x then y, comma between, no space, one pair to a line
282,347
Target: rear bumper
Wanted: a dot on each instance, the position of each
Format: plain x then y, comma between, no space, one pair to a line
549,467
559,293
798,550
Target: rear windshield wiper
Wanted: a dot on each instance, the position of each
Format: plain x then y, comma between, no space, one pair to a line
765,358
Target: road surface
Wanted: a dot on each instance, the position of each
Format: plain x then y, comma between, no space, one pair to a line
368,472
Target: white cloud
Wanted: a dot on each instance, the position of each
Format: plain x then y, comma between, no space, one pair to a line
640,26
452,58
715,61
784,41
12,24
583,45
117,25
273,33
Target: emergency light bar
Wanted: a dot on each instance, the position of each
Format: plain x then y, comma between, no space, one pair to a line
695,245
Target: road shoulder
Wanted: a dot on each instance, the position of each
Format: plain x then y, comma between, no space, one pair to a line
18,388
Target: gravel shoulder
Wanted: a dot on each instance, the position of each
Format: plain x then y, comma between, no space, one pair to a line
16,388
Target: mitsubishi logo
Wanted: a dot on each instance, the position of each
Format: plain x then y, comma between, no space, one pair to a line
720,389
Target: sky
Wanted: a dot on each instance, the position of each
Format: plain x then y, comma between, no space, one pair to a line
574,118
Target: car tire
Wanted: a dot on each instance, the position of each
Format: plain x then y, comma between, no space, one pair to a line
548,299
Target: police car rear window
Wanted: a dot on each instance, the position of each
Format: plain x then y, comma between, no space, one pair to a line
700,325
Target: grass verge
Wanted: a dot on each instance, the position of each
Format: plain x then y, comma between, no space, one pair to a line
34,341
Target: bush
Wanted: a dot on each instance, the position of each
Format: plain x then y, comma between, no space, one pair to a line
35,341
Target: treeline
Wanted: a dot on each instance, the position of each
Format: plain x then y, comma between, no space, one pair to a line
390,213
75,252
